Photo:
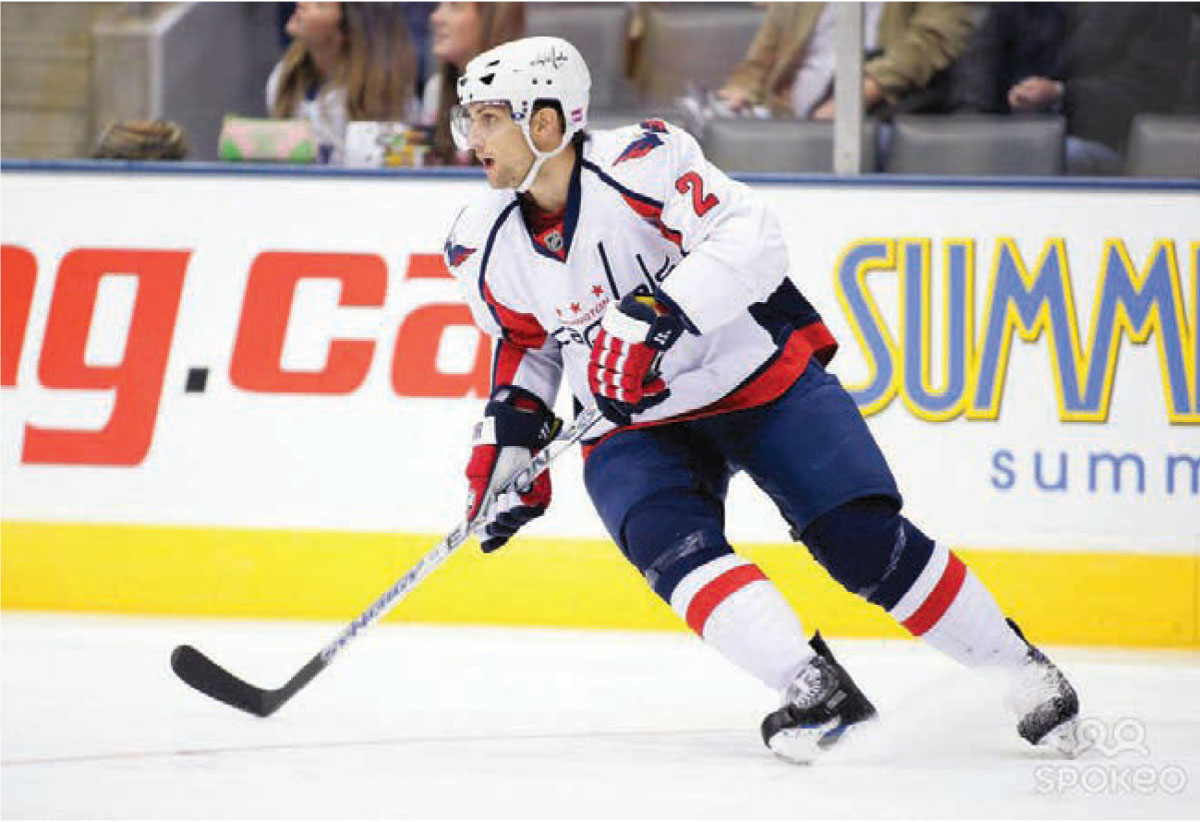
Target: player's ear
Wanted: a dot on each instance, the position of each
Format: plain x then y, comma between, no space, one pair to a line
545,122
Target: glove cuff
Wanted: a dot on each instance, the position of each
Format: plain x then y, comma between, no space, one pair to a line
640,319
515,416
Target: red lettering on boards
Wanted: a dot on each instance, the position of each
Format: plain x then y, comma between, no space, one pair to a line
18,274
415,371
270,291
427,267
136,381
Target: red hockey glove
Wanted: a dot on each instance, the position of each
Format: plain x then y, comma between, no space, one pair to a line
621,371
516,424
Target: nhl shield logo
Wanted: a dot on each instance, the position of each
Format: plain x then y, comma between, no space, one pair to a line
554,240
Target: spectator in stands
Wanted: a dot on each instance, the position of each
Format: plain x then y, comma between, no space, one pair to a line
790,65
461,31
417,15
347,61
1098,64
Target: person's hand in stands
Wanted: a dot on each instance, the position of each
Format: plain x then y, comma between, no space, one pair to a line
1035,94
872,94
736,98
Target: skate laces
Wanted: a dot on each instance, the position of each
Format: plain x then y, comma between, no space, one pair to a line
815,682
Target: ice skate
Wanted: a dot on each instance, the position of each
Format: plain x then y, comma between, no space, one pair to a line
820,705
1045,703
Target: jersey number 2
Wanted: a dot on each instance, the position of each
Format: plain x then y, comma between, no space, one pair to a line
703,203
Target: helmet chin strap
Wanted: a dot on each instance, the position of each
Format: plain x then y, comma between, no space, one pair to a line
539,158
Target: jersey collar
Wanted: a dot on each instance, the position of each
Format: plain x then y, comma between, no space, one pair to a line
570,218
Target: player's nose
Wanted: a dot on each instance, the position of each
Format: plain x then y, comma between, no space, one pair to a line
475,137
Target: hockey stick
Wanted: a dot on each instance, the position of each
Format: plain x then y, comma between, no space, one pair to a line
211,679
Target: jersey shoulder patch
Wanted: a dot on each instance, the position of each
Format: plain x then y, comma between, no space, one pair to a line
469,233
640,140
639,147
626,146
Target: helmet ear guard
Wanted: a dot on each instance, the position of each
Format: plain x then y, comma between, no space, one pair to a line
523,73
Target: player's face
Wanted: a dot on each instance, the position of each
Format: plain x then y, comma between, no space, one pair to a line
499,144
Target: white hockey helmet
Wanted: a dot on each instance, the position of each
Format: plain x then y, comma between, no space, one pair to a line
522,73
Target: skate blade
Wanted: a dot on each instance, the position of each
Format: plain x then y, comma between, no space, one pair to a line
1062,738
801,746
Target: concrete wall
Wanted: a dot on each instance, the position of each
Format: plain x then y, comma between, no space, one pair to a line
191,63
70,68
46,58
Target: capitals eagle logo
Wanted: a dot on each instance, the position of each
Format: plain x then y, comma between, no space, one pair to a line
640,147
456,254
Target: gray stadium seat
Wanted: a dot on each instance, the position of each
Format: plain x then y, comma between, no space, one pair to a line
615,118
1164,145
985,144
737,145
601,33
1189,92
693,44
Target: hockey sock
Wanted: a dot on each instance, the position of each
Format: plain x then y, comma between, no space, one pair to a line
949,608
732,605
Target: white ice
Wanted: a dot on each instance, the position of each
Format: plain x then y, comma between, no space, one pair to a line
453,722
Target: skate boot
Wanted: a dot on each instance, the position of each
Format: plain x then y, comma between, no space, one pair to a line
820,705
1045,703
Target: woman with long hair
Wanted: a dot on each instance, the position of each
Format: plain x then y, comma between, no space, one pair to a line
347,61
460,32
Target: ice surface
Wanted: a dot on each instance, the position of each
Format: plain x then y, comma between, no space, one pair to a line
436,722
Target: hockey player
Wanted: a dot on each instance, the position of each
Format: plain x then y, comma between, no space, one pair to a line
659,286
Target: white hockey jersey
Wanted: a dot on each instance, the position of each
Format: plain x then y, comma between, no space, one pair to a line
646,211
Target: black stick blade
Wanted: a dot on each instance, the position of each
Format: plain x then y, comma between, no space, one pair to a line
212,680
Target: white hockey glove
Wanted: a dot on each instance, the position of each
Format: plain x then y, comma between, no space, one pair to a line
516,425
621,370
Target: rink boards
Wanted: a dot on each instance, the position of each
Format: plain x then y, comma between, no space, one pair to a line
251,393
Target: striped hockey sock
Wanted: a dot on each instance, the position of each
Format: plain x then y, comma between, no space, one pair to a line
948,607
732,605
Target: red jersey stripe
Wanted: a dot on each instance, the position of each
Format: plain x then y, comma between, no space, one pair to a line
522,329
776,380
652,214
508,362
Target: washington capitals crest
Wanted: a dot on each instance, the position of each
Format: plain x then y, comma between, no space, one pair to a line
643,145
457,254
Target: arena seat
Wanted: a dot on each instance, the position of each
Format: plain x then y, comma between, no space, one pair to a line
985,144
744,145
1189,92
1164,145
692,45
601,33
616,118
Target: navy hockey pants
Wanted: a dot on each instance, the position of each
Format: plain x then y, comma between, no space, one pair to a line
661,490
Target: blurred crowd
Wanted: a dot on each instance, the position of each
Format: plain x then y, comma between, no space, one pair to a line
1097,65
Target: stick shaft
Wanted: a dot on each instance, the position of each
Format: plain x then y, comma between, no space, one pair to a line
206,676
428,563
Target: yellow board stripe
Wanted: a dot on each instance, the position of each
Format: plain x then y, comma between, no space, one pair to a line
1070,598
